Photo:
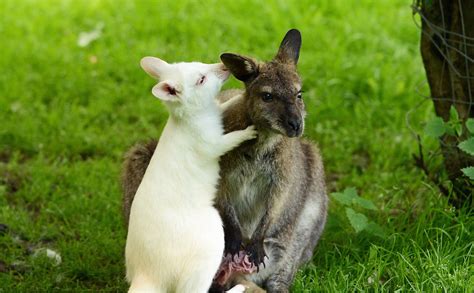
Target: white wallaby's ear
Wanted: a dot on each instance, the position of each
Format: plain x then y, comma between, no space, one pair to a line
153,66
166,91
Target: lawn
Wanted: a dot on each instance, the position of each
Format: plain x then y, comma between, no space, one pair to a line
68,113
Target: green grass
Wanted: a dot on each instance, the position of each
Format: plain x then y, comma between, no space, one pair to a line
65,123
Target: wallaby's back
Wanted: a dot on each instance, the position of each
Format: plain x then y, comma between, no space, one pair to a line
135,164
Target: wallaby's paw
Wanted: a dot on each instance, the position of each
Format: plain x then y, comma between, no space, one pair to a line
237,289
256,253
233,242
250,132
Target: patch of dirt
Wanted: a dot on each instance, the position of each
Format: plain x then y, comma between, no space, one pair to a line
3,267
3,229
7,155
361,159
12,180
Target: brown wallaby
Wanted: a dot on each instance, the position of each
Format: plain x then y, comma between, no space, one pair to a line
271,195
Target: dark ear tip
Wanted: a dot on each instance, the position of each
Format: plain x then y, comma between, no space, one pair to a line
293,33
226,56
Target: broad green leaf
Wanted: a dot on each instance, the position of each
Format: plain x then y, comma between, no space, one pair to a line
341,198
373,253
435,127
365,203
449,129
351,192
469,172
458,128
358,221
453,115
375,229
470,125
467,146
346,196
454,123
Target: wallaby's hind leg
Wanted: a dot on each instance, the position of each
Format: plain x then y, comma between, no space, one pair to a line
250,287
198,282
142,284
237,289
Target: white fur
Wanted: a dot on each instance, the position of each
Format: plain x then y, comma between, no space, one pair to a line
175,238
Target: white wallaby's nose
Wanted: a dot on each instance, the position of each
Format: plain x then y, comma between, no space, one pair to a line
221,71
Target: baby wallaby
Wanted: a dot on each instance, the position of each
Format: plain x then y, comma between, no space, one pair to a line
175,237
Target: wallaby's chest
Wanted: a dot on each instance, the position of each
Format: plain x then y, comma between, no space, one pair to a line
249,180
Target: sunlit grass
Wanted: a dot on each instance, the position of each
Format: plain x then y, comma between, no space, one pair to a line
67,115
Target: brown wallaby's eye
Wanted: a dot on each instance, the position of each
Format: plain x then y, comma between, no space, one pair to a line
300,95
267,97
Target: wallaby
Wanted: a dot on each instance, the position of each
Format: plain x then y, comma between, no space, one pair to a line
271,195
175,236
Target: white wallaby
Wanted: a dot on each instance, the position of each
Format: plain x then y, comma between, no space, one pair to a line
175,236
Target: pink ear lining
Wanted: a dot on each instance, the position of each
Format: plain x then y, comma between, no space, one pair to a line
171,90
166,91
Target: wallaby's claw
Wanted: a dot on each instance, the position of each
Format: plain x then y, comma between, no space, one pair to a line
256,253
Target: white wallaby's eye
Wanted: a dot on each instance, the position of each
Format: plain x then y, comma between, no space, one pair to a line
201,80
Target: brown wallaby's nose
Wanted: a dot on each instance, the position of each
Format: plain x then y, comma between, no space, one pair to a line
295,124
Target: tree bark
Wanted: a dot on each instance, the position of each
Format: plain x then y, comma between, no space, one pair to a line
447,50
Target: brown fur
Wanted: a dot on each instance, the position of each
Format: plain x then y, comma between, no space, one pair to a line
135,163
272,194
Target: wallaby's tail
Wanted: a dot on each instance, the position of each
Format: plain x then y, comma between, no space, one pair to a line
134,167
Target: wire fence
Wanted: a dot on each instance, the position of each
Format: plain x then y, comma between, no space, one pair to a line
447,41
443,24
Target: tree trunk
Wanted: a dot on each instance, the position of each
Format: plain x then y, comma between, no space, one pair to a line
447,50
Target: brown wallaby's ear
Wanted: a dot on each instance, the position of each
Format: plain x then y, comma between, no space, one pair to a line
243,68
289,51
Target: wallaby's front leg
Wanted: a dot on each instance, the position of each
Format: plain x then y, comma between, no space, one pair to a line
255,249
232,139
232,230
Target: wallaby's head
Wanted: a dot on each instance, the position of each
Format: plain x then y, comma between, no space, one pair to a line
273,89
184,84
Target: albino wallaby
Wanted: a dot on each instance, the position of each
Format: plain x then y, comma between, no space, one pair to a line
175,236
272,195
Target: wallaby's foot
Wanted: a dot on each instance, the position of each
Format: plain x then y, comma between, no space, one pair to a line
254,289
250,287
233,139
237,289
